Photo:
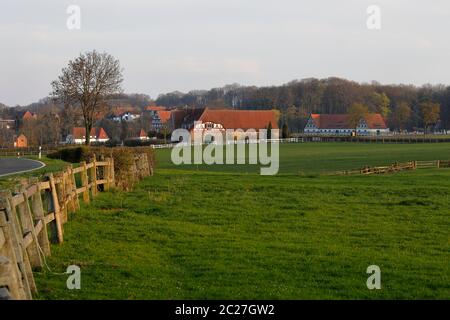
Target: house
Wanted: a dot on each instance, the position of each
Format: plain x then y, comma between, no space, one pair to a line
28,115
21,141
78,136
143,136
126,116
160,120
200,120
184,118
339,124
7,124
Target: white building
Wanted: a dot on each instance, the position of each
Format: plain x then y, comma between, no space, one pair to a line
126,116
78,136
339,124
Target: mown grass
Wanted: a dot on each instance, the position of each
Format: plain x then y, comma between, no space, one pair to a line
188,234
51,165
312,158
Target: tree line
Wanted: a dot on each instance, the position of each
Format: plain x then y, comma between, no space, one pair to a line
404,107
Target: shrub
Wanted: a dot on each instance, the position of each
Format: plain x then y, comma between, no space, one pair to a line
71,154
123,160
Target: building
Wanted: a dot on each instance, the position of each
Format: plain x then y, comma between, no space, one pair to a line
28,115
21,141
339,124
7,124
160,120
200,120
126,116
78,136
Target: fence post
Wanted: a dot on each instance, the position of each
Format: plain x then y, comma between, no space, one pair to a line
112,173
85,182
61,195
76,201
39,215
18,288
106,174
57,233
26,218
15,234
94,177
439,164
9,280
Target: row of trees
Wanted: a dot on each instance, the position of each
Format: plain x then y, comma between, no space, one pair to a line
403,106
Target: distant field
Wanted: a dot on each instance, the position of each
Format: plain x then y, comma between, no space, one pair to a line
188,234
304,158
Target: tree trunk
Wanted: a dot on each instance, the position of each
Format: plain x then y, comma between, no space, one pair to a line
88,134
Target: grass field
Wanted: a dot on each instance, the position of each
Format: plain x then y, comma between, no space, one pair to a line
225,232
328,157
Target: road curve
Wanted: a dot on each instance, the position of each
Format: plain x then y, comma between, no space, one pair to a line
10,166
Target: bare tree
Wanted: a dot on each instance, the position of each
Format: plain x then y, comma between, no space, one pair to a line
86,82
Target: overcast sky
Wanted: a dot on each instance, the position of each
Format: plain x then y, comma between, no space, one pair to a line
167,45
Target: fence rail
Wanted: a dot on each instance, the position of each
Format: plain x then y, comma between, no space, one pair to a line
396,167
41,208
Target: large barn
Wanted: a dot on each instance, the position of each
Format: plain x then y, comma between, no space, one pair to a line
339,124
200,120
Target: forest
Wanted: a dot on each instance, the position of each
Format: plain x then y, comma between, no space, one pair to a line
405,107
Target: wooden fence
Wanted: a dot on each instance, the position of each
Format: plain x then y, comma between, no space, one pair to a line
40,209
396,167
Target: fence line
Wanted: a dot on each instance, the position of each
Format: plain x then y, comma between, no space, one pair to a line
26,216
14,152
396,167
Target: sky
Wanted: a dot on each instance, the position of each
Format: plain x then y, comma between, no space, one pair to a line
168,45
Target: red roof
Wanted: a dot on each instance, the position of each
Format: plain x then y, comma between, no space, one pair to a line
142,134
119,111
98,133
341,121
29,115
164,115
375,121
155,108
241,119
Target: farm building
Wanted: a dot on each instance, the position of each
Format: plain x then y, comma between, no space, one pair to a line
78,136
339,124
200,120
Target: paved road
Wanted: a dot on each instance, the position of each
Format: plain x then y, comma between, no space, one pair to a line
13,165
